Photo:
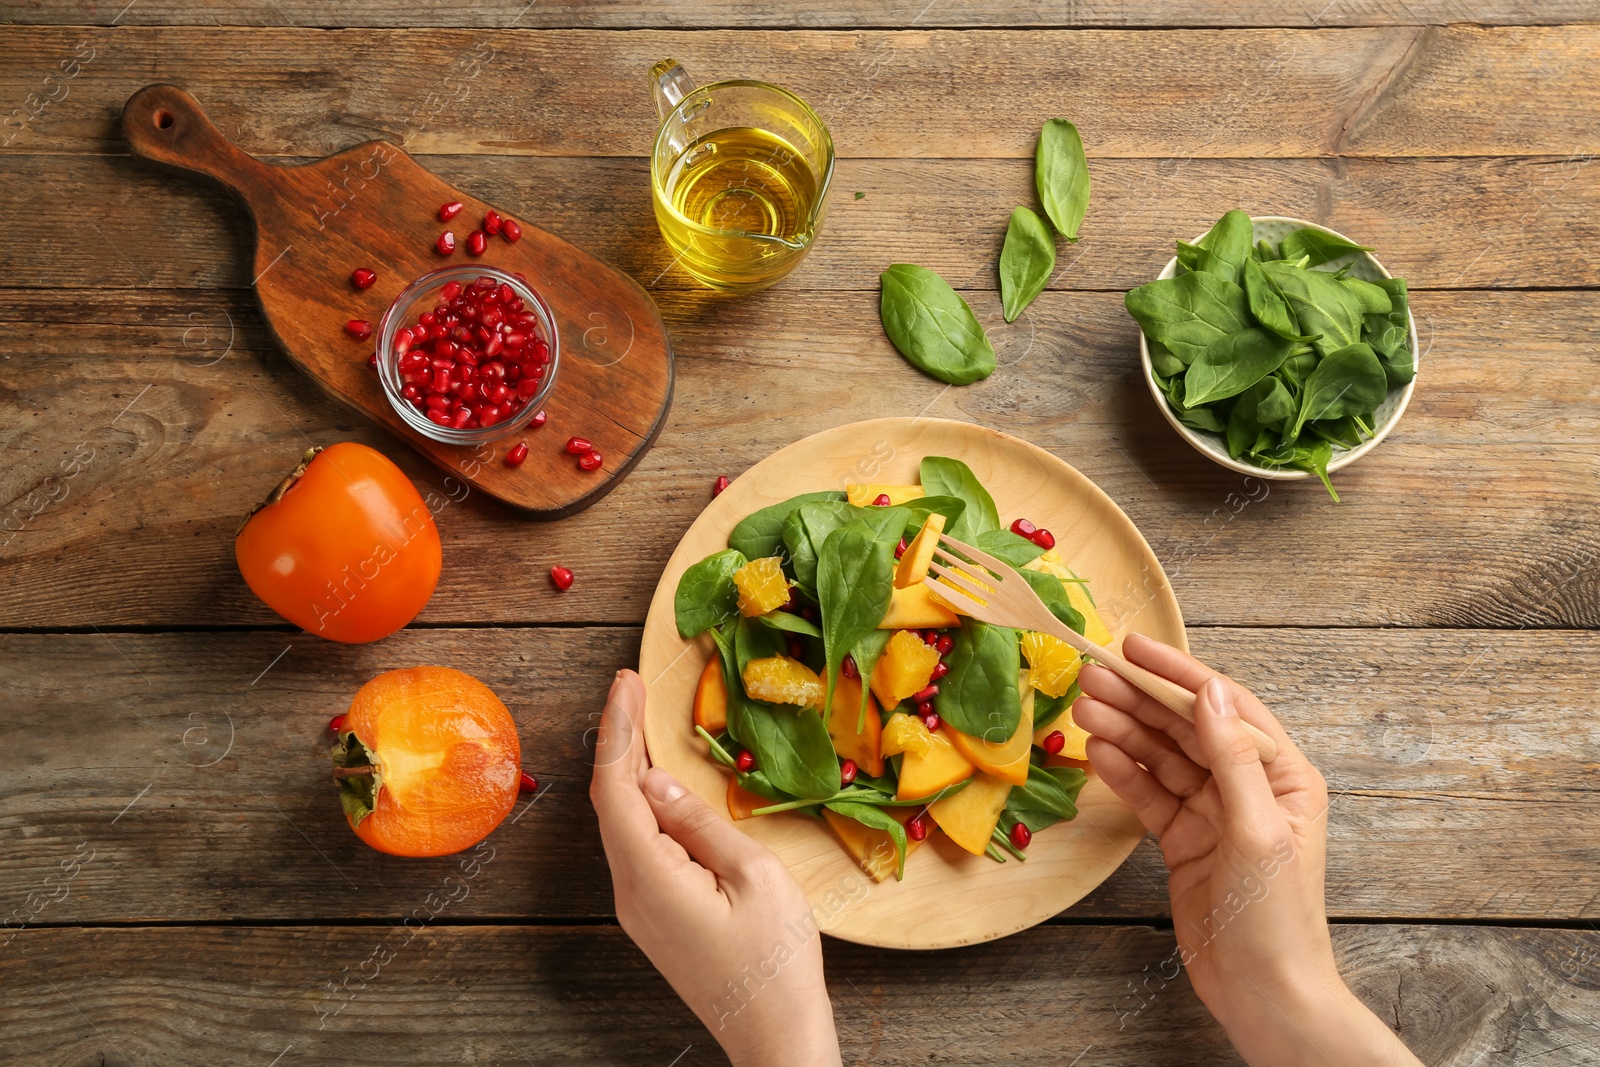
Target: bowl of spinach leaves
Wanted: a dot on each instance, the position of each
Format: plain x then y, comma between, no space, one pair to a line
1277,347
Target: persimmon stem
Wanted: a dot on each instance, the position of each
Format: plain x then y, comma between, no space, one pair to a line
352,772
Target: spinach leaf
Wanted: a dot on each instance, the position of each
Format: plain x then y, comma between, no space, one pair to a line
1313,458
866,653
1390,335
979,695
1047,710
1244,420
1263,251
1189,256
1061,173
1297,368
1269,306
932,326
706,595
1275,405
1049,796
789,622
1347,382
1322,305
1232,364
951,507
822,519
1009,547
855,578
1162,360
1189,312
802,555
792,749
760,533
1318,246
875,817
1197,418
1027,260
1054,594
1370,298
1226,248
942,476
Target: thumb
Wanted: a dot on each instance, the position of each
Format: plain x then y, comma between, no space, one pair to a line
1231,753
706,834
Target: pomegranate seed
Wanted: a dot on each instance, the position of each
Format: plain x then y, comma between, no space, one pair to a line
932,723
363,277
796,648
940,670
1021,836
926,694
882,501
577,446
518,453
450,210
445,244
591,461
491,222
450,291
944,644
372,361
336,723
477,241
528,783
900,549
808,612
539,419
929,637
1054,742
511,231
1044,539
916,829
847,771
746,762
924,709
561,577
848,668
719,485
360,329
1023,528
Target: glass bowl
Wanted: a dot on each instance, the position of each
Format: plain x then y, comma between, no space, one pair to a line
464,353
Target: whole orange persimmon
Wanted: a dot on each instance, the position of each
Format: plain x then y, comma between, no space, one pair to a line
344,547
427,762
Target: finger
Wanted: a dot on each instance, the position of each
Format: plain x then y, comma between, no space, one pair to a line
1247,800
1108,687
1136,787
1180,667
708,836
627,824
1176,772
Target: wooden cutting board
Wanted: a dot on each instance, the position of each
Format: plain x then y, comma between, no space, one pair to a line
374,206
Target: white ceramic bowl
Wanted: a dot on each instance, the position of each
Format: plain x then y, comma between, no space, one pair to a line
1275,228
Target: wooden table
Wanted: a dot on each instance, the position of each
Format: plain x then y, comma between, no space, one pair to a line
189,891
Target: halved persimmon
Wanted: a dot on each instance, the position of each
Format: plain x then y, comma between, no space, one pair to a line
427,761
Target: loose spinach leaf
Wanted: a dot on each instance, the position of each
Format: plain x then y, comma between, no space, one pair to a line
1047,710
1061,173
1226,248
1009,547
871,815
789,622
1313,458
855,578
1162,360
1189,256
1370,298
979,695
706,595
1263,251
1233,364
1347,382
1318,246
802,555
1322,304
1197,418
1244,420
822,519
1054,594
866,653
792,749
1049,796
1027,260
951,507
760,533
942,476
932,326
1269,306
1390,335
1189,312
1276,405
1296,369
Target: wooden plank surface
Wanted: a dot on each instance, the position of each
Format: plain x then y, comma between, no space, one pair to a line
1445,91
173,437
1504,223
807,14
1460,765
1459,996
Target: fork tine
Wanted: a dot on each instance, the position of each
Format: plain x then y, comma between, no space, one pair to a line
961,580
955,598
999,567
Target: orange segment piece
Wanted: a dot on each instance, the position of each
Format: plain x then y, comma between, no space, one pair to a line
711,698
762,586
1053,664
863,746
781,680
872,849
928,761
904,668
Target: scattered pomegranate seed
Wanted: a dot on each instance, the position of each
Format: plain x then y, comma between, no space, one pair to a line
511,231
591,461
931,722
796,648
1054,742
849,668
924,709
929,637
926,694
336,723
561,577
450,210
746,762
491,222
916,829
1021,836
363,277
477,241
577,446
943,644
539,419
1023,528
1044,539
882,501
518,453
847,771
360,329
719,485
900,549
445,244
940,669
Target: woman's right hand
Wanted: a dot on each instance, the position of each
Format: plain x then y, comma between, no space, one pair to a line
1245,845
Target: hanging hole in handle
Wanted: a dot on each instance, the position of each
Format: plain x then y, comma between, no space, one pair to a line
164,119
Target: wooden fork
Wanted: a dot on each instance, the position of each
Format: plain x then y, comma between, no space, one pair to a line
989,590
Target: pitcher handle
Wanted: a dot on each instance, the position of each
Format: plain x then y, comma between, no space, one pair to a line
669,84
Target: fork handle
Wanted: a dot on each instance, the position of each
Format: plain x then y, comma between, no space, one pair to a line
1164,690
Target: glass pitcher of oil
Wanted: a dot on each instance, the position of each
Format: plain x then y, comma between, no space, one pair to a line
739,177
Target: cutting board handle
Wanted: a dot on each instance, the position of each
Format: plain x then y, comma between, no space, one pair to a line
165,124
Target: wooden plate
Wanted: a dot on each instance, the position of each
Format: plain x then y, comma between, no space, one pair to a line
948,897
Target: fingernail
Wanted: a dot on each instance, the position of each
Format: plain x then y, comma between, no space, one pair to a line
1221,699
663,786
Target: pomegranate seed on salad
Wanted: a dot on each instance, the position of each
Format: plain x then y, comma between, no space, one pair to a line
1054,742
